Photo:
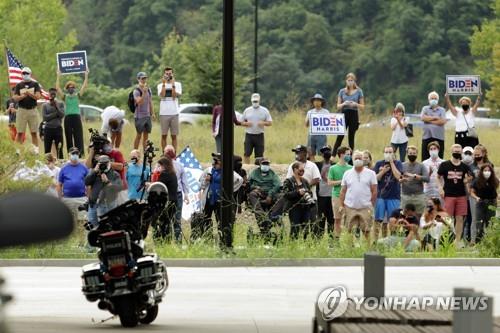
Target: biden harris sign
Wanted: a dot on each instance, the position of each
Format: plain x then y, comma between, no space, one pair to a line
72,62
463,84
327,124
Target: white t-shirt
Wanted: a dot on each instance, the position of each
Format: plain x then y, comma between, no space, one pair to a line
311,172
111,112
460,124
169,106
254,115
432,187
315,111
359,184
398,133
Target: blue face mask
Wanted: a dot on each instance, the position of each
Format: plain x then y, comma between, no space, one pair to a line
347,158
73,157
433,102
107,149
265,168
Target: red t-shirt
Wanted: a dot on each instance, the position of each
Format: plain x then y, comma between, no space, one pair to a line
117,157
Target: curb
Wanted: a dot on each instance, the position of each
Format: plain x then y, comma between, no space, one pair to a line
308,262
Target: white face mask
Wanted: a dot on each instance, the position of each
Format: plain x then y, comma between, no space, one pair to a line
433,102
434,153
265,168
487,174
358,163
467,159
73,157
26,77
388,157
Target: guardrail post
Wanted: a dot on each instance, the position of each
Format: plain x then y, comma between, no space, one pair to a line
374,275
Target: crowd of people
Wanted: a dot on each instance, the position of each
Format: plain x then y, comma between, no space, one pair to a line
390,201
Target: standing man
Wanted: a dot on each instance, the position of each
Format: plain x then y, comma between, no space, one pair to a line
53,114
316,142
27,92
434,118
358,195
335,175
169,91
143,110
414,176
388,172
112,123
255,118
454,173
182,190
71,182
324,193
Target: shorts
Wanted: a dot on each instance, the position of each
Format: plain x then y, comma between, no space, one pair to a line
143,125
384,208
27,117
419,200
456,206
254,142
316,142
337,213
169,123
361,217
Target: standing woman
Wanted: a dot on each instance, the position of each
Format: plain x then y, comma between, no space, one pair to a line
168,177
73,128
465,120
399,139
484,191
350,100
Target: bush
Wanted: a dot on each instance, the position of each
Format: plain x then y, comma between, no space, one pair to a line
490,244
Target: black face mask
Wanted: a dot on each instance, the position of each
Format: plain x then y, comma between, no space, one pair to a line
465,107
457,156
327,156
478,158
238,165
412,158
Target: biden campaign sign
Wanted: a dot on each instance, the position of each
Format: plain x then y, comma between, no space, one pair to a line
463,84
72,62
327,124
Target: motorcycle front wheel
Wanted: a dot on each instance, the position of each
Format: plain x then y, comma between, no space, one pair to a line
126,310
150,316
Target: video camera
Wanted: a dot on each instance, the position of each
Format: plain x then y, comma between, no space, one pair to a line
97,141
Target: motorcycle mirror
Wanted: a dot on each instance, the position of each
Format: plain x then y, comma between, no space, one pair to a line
28,217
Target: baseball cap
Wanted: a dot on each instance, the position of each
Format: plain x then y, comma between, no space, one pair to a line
26,70
325,148
255,97
141,74
299,148
74,150
469,149
103,159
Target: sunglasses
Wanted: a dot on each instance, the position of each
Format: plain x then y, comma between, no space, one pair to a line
25,73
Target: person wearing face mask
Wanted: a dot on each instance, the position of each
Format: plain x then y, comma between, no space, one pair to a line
454,174
73,128
399,139
484,191
465,120
324,194
470,219
367,159
53,114
358,195
133,175
431,188
255,118
335,175
414,176
264,188
389,171
26,93
316,142
480,154
434,118
52,171
104,186
71,182
350,102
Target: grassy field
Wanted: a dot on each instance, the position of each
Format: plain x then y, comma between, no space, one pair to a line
287,131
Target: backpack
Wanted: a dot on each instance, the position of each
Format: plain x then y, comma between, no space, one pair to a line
131,99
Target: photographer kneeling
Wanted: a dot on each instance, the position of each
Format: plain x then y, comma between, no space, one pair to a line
403,225
105,185
298,200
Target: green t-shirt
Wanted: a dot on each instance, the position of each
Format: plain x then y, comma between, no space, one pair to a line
336,172
72,104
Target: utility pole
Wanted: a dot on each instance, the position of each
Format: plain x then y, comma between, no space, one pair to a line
256,47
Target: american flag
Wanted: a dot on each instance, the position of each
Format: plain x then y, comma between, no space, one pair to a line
15,72
188,160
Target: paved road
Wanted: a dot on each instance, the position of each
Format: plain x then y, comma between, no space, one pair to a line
264,299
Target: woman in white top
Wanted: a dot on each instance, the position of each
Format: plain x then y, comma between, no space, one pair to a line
434,223
465,120
399,140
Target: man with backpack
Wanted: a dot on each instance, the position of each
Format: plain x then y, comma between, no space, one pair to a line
142,106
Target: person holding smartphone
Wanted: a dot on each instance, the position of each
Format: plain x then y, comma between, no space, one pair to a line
169,91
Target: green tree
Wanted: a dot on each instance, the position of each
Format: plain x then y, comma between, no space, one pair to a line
485,47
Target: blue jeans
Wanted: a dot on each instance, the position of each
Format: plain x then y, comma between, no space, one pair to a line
99,210
402,150
178,217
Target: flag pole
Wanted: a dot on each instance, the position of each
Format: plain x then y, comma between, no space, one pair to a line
7,70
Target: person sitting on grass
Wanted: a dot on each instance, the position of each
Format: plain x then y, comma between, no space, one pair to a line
403,225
